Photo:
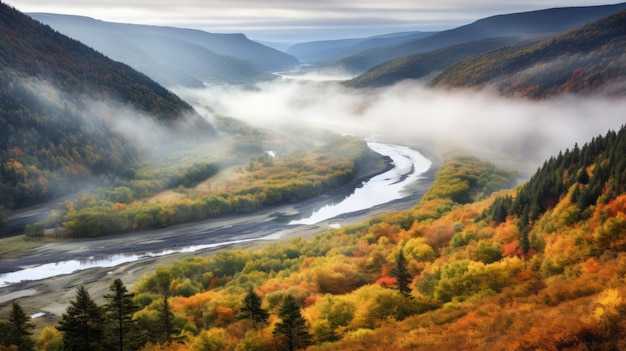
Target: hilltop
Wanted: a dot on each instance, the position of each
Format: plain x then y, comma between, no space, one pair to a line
175,56
421,66
515,26
585,60
326,51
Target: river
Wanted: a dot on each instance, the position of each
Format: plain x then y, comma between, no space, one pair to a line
57,259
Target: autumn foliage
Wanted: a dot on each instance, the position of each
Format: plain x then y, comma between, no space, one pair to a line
472,285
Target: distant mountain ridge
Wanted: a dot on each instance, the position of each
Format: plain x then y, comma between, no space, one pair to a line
175,56
67,113
586,60
420,66
333,50
520,25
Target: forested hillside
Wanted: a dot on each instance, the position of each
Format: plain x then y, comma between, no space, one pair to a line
515,26
65,111
419,66
592,175
451,273
585,60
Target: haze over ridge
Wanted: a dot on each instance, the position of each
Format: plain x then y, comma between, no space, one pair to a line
289,21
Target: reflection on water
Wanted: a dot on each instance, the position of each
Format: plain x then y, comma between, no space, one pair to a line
409,166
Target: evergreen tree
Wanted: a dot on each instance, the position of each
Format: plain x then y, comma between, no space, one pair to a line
252,309
82,324
17,331
401,273
583,176
166,318
292,329
122,332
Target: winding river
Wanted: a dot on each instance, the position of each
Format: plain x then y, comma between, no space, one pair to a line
409,165
408,168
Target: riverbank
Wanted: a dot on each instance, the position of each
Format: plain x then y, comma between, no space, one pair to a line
51,296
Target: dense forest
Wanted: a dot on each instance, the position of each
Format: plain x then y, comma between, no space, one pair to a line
63,109
451,273
477,264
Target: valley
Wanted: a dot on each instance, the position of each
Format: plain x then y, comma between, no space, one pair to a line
174,188
47,275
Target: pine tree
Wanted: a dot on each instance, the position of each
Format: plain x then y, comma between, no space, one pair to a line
252,309
122,332
18,329
401,273
82,324
293,329
166,318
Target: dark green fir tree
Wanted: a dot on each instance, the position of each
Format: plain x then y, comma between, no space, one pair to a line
252,310
401,272
82,324
122,332
17,331
292,330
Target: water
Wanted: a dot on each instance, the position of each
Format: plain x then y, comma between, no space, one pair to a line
67,267
391,185
409,166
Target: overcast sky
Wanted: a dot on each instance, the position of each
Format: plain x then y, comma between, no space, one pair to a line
296,20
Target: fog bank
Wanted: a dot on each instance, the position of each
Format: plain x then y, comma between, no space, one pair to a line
410,113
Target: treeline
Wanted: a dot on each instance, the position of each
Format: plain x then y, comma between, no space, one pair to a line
118,325
589,175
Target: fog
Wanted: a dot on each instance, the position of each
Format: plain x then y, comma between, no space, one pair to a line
101,116
496,128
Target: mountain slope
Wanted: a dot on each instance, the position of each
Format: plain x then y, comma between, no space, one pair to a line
519,25
382,41
68,113
588,59
164,53
332,50
319,51
421,65
467,284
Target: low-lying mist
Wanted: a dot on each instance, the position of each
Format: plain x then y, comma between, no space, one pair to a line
495,128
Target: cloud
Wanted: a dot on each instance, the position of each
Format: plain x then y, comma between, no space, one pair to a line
294,20
411,114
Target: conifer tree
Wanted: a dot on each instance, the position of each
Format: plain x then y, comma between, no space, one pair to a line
166,318
252,310
292,329
122,332
17,330
401,273
82,324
